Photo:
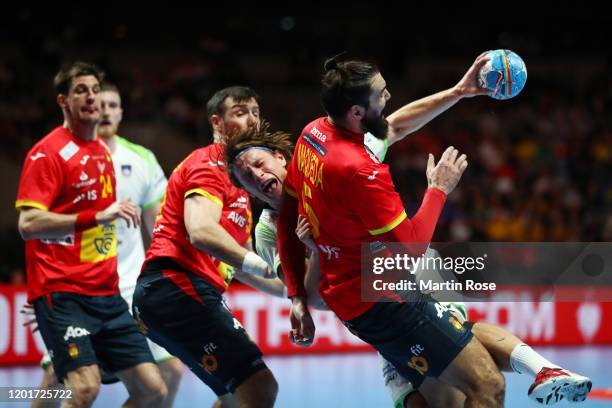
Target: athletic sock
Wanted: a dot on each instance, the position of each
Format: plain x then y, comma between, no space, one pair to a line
525,360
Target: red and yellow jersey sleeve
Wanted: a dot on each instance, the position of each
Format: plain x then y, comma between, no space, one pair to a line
208,180
41,180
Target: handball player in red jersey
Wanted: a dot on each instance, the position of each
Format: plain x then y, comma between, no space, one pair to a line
67,211
348,197
201,241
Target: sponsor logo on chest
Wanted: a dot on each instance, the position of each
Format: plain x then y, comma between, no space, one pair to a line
318,134
84,181
241,202
238,219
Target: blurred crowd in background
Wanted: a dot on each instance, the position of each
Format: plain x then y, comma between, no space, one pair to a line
540,165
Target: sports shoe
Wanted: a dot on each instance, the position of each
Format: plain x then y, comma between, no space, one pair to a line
551,385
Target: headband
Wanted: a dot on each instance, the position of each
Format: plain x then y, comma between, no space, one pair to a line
251,148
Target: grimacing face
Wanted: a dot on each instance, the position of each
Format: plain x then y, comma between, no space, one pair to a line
262,173
238,116
82,103
112,113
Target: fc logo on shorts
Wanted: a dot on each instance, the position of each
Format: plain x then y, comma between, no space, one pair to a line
209,363
419,364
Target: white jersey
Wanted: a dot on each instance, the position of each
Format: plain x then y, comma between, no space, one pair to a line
265,238
375,145
141,179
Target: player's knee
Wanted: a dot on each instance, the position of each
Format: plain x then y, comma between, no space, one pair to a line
85,385
149,389
259,390
491,378
172,371
269,386
491,389
153,397
155,390
85,392
158,398
497,387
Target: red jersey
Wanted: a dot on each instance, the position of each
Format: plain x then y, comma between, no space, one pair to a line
349,198
203,172
64,174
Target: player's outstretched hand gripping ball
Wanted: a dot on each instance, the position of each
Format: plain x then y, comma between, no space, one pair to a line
504,75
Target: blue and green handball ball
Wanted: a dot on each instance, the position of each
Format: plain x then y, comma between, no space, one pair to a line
504,74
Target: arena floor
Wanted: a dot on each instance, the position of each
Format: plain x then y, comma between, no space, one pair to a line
351,380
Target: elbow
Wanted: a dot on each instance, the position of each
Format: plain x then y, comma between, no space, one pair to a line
195,238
